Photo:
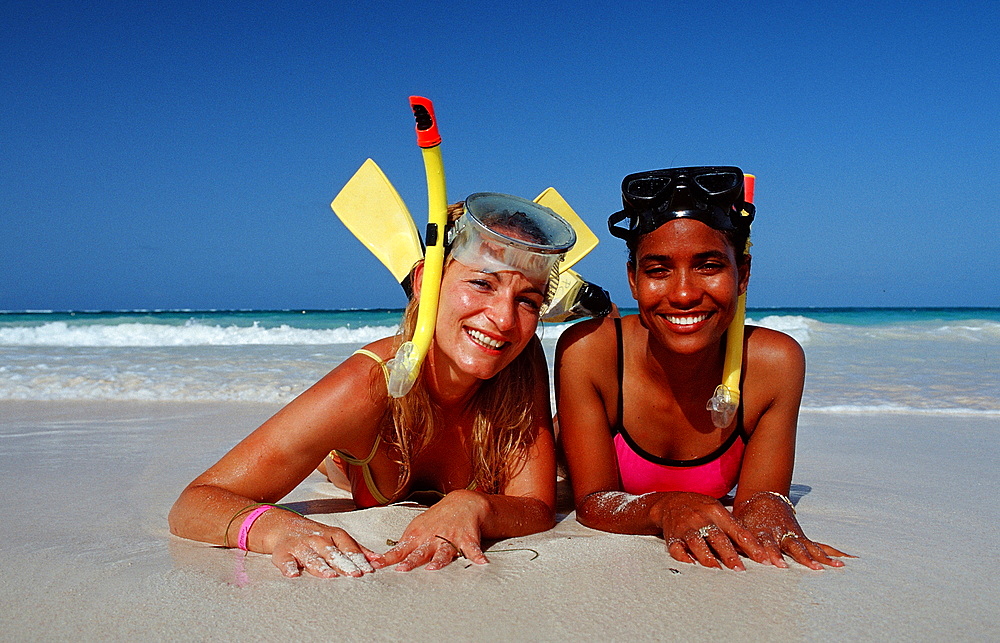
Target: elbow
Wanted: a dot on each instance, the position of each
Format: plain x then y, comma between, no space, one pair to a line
174,521
549,519
586,514
587,521
545,517
176,518
180,516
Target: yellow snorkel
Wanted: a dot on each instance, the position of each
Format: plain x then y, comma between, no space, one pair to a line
726,400
405,366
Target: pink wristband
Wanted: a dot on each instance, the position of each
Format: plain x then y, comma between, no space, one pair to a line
248,523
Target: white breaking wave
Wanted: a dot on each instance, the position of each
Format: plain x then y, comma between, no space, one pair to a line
924,367
803,329
193,333
190,334
138,389
975,332
797,326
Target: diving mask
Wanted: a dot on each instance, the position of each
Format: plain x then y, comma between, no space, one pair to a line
713,195
501,232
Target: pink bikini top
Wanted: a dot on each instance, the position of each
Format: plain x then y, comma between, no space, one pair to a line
642,472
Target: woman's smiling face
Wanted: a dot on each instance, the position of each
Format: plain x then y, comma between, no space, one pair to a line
686,281
485,319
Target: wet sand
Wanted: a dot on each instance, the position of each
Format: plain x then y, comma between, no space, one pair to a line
86,553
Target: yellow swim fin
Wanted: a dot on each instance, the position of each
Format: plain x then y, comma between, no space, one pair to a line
374,213
586,240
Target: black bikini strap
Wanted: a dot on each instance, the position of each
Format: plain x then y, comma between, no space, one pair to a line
619,426
621,375
739,421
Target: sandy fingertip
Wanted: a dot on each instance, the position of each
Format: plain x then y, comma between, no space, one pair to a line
342,562
360,561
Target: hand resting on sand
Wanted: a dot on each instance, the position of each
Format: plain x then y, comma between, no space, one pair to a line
771,518
697,528
450,528
321,550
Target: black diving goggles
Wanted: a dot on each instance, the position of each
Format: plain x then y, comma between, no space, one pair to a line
713,195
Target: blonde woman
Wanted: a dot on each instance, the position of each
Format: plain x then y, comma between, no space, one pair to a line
475,429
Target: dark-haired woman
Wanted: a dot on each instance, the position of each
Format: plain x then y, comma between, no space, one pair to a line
643,452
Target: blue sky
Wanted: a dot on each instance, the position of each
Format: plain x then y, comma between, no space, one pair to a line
183,155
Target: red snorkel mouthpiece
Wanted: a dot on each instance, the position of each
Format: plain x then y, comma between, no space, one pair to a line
427,128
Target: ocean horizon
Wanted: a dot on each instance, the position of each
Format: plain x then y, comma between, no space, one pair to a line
859,360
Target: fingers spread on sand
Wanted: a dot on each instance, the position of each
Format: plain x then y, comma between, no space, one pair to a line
323,556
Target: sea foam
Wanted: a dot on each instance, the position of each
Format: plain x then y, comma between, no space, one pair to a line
191,334
795,325
943,366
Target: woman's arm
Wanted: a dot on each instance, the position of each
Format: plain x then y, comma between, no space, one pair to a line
337,412
457,524
586,374
776,374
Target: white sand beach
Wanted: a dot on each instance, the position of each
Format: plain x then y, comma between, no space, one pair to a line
86,553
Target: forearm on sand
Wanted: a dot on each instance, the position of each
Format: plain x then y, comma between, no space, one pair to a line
213,515
622,513
512,516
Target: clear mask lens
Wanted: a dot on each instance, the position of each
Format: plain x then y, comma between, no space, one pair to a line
501,232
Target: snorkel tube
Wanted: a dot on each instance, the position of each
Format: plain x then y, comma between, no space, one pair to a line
726,400
405,366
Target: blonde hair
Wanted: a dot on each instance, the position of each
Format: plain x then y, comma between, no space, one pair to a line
502,426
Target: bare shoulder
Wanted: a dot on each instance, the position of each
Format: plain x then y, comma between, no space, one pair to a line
585,360
353,369
775,372
773,349
352,395
593,336
384,348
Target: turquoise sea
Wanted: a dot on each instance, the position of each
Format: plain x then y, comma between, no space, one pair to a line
870,360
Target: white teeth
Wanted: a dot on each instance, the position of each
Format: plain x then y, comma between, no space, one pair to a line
686,321
484,340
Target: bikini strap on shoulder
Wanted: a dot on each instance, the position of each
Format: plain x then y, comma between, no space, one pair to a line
620,423
365,351
359,462
381,362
